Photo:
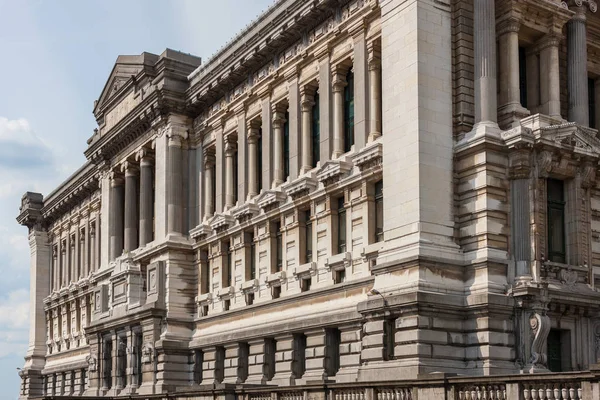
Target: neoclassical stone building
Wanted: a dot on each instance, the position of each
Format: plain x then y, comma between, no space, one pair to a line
351,200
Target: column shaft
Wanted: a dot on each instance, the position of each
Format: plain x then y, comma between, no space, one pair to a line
550,72
338,115
175,185
375,99
209,206
230,149
252,163
131,211
577,68
278,121
306,108
146,201
485,62
116,218
510,92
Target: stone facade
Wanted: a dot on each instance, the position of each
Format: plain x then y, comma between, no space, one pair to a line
351,199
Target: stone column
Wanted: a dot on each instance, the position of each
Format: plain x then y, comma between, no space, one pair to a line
236,363
94,245
131,211
550,72
261,358
84,243
146,197
116,216
316,355
253,133
484,36
278,167
209,165
72,264
338,85
230,153
55,269
306,104
63,263
212,365
577,67
510,92
129,360
176,136
374,65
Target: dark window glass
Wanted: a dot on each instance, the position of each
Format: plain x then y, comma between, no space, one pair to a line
299,362
389,339
316,131
279,246
252,257
309,227
214,187
235,177
379,211
286,146
349,112
592,102
229,265
523,76
341,228
334,338
259,159
556,221
555,350
198,360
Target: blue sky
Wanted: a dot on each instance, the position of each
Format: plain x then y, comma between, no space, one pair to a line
55,59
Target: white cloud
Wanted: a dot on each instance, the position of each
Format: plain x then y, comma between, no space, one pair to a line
14,320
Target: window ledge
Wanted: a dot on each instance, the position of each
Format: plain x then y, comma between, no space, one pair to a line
226,292
205,298
333,170
301,187
245,212
305,270
249,286
276,279
338,262
370,156
200,231
221,222
270,199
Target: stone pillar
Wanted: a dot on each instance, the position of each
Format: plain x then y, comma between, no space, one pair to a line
484,36
230,153
94,246
286,358
63,263
316,355
550,72
129,360
253,134
209,165
176,135
146,197
350,348
338,85
114,359
212,365
374,65
261,361
131,211
236,363
278,156
242,156
306,104
577,67
116,216
84,245
511,110
72,262
55,269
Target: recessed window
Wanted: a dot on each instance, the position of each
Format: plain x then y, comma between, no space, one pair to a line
226,305
389,331
259,154
278,246
379,211
275,292
229,271
198,360
349,111
286,146
305,284
556,221
308,245
333,340
249,299
592,101
339,276
252,257
316,131
523,76
341,225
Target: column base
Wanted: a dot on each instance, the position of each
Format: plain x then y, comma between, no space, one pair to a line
485,130
509,115
373,136
534,369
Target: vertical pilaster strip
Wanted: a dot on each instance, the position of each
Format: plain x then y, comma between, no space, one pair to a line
485,62
577,68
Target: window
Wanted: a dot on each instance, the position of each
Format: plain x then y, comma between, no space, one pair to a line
235,177
389,340
379,211
249,299
305,284
286,146
229,265
523,76
198,360
308,237
219,364
278,246
275,292
107,364
339,276
556,221
559,350
592,102
341,225
316,131
259,160
333,339
226,305
269,366
299,360
349,111
252,257
214,188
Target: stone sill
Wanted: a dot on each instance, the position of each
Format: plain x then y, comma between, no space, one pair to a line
275,279
338,261
305,270
249,286
204,298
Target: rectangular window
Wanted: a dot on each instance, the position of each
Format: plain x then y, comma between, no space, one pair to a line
275,291
379,211
229,265
316,131
299,361
286,146
523,76
339,276
259,154
252,257
235,177
213,178
559,350
556,221
278,245
332,347
309,237
349,111
592,101
198,360
341,225
226,305
389,329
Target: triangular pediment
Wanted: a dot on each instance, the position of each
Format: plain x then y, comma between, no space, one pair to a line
121,76
580,139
